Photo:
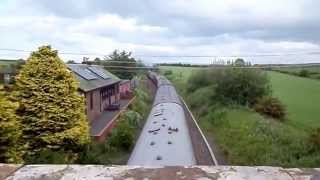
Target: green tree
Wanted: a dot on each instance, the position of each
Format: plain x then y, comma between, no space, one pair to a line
232,85
240,86
51,109
10,132
239,62
123,61
71,62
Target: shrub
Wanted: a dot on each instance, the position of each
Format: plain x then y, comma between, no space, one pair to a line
196,99
271,106
133,118
48,156
167,72
96,153
314,138
304,73
240,86
51,109
10,132
122,136
216,114
198,80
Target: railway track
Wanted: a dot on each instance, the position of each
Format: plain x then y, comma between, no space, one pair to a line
171,135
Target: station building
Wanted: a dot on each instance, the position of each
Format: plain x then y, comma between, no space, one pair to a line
105,96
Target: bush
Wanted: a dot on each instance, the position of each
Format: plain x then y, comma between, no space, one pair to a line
96,153
47,156
122,136
10,132
216,114
167,72
134,118
304,73
314,139
198,80
239,86
271,106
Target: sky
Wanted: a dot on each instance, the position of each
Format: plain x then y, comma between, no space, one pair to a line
260,31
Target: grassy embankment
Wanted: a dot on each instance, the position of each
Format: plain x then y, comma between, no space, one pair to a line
247,138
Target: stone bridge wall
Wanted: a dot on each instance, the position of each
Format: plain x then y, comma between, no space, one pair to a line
99,172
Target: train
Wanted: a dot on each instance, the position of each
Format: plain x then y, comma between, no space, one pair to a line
165,138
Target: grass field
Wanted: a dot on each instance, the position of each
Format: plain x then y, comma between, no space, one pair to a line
301,96
180,72
7,62
247,138
313,71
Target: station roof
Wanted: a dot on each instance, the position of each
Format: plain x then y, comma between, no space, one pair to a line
92,77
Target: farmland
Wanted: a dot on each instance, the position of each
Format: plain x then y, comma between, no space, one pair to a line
7,62
247,138
300,96
312,72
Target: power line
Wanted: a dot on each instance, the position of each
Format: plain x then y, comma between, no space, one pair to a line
180,56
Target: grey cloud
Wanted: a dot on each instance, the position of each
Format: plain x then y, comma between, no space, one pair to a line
190,25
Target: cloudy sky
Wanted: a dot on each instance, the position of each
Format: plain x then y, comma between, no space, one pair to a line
148,28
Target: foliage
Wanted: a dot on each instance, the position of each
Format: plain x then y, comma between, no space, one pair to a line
304,73
133,118
122,136
198,80
239,62
312,72
119,63
141,104
10,132
71,62
96,153
167,72
314,138
239,86
247,138
271,106
48,156
51,109
124,59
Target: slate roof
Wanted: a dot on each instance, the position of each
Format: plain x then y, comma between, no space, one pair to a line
98,82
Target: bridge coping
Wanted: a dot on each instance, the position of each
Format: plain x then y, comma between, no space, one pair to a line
95,172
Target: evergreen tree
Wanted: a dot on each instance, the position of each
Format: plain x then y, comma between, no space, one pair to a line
9,132
51,109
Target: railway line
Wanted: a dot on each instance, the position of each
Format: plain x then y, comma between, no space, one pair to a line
171,136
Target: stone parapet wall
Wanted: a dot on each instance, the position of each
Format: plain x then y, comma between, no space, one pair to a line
99,172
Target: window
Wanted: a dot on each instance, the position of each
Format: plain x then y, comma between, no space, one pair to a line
91,100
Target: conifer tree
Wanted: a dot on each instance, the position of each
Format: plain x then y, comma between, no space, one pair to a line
9,132
50,106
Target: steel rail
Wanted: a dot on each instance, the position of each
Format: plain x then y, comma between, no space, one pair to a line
203,136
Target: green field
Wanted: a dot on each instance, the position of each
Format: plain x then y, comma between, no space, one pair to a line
247,138
313,71
7,62
301,96
180,72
